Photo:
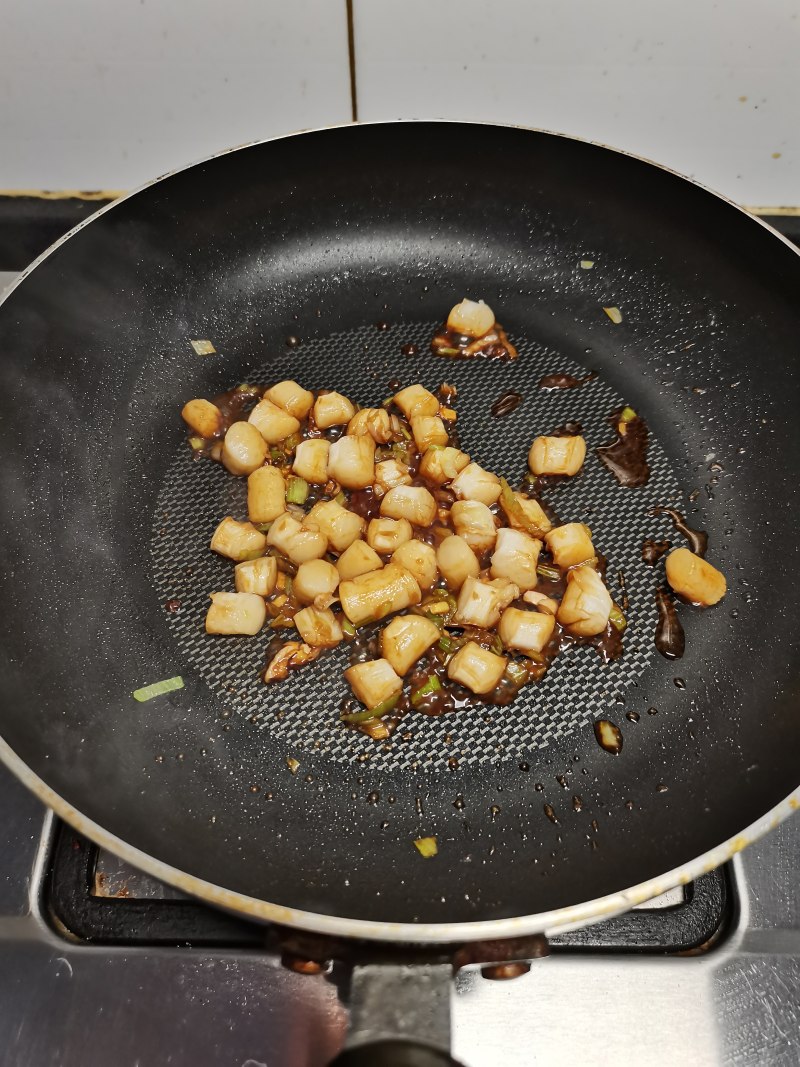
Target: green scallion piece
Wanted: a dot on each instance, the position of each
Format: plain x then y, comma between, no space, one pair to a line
517,672
446,644
372,713
496,646
348,627
446,351
291,442
340,498
544,570
432,685
157,689
628,415
617,619
275,455
296,490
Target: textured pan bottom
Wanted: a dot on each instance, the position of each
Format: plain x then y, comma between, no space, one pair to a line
195,496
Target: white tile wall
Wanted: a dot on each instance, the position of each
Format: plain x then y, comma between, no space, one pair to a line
109,93
710,88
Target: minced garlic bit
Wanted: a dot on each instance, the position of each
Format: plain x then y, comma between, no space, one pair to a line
203,348
427,847
614,314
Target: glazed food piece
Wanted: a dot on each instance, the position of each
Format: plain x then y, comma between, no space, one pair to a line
471,330
371,525
695,578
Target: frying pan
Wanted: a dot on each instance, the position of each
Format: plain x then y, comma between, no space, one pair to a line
322,236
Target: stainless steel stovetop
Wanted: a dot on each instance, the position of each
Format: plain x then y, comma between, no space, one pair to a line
70,1003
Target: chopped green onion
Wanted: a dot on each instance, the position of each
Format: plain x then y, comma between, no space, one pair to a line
340,498
614,314
496,646
404,432
435,448
517,672
426,846
291,442
432,685
157,689
196,442
296,490
447,351
245,387
372,713
348,627
617,619
587,264
446,643
263,527
515,512
437,620
628,415
544,570
275,455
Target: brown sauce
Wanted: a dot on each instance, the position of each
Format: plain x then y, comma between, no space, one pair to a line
698,539
669,637
565,381
364,503
609,736
493,345
626,457
652,551
505,404
569,429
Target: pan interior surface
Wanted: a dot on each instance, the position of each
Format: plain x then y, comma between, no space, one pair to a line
321,236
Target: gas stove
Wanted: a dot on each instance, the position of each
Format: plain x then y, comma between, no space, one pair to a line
101,964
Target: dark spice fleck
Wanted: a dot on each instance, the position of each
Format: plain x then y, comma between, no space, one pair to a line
172,605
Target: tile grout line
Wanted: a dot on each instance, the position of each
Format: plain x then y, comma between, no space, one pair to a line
351,54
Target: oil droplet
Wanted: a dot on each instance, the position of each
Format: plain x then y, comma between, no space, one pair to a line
609,736
494,811
661,788
452,764
459,804
632,716
524,766
679,683
577,803
292,341
159,759
551,815
373,797
562,781
652,711
384,825
255,788
629,805
391,799
539,787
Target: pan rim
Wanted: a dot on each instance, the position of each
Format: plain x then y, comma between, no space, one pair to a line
550,922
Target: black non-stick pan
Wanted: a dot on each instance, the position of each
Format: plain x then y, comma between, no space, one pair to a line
328,237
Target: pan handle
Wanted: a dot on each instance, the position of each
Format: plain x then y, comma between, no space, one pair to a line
399,1016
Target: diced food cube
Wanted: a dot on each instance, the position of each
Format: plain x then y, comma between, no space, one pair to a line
374,595
351,462
456,561
526,631
238,540
311,460
476,668
373,682
256,575
273,423
203,417
474,483
571,544
358,559
412,502
318,627
515,557
293,398
695,578
406,638
332,409
236,613
557,455
266,494
586,604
